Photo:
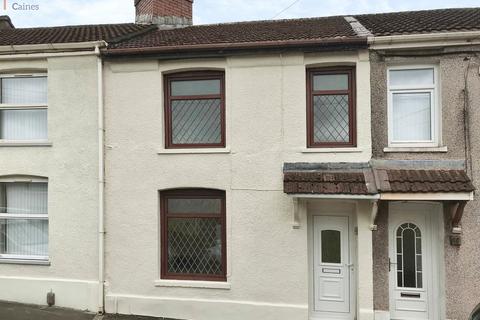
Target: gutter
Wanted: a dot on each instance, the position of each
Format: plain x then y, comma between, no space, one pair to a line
431,40
337,196
101,185
35,51
223,47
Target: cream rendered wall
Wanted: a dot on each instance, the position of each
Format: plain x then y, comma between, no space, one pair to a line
266,127
71,166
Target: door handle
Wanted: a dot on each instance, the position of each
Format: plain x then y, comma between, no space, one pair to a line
349,265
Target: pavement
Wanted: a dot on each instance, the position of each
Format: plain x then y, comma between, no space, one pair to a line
16,311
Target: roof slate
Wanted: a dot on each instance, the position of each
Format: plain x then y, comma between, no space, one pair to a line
417,22
426,181
70,34
325,183
323,31
246,32
374,180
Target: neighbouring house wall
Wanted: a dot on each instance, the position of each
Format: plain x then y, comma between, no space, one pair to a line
461,263
380,259
266,127
71,166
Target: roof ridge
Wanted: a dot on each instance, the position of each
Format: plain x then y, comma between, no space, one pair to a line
265,21
83,26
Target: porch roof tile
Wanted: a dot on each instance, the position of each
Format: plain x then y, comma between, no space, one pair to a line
423,181
352,179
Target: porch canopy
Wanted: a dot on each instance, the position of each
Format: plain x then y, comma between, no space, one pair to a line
383,180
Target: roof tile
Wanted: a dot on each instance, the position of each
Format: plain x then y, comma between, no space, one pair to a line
255,32
425,21
353,181
70,34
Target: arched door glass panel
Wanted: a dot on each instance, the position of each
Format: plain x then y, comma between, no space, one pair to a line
409,256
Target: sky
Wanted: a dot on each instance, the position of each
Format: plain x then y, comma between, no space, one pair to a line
68,12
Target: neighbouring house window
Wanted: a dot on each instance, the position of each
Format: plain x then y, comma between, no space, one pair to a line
409,256
23,108
195,110
331,108
412,111
193,235
24,220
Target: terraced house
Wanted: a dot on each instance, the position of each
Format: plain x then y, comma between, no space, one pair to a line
319,168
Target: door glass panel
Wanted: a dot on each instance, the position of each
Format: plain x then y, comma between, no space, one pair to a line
331,246
409,256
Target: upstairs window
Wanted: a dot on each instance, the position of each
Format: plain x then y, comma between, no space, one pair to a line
23,108
193,235
412,107
23,221
195,110
331,108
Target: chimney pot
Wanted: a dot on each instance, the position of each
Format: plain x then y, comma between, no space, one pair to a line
164,13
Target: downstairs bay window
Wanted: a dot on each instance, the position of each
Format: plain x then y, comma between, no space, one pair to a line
23,221
23,108
193,235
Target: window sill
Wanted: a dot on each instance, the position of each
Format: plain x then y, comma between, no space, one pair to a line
193,284
5,143
25,262
331,150
416,149
196,151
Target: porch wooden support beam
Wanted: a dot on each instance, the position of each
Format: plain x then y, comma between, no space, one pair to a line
374,215
298,210
296,213
457,213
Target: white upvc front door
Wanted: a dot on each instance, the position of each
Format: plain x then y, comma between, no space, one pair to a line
413,254
332,268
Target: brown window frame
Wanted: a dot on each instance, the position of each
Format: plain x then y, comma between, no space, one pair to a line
350,71
164,216
185,76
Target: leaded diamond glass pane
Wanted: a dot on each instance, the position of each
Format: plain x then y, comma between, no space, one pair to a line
195,246
196,121
331,119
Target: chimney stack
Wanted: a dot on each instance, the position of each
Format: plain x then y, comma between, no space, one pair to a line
164,13
6,23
